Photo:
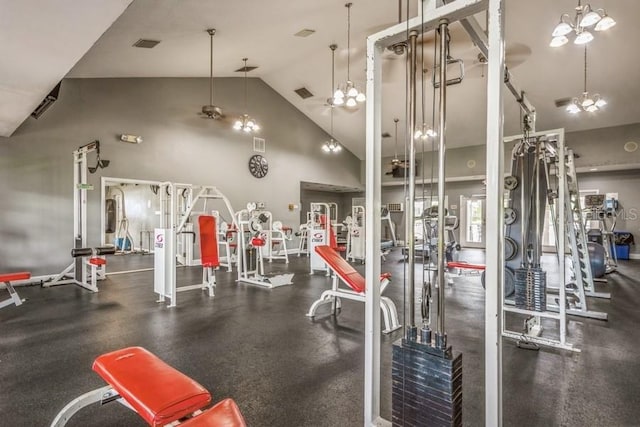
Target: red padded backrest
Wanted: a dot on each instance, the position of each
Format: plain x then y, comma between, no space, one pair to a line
208,241
10,277
158,393
343,269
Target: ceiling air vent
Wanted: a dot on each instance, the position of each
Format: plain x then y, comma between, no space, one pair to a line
303,93
145,43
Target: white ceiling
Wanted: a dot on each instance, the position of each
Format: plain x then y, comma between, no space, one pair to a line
263,32
39,43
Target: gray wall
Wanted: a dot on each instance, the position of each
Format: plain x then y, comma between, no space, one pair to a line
36,214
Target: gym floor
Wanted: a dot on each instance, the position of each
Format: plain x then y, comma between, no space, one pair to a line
283,369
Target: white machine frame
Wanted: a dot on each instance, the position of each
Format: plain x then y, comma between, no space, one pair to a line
318,235
356,235
173,221
492,46
248,226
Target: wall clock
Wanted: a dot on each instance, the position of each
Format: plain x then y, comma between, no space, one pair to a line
258,166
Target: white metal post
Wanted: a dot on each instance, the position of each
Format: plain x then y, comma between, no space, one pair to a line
562,176
494,273
373,188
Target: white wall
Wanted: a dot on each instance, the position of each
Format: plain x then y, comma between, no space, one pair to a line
36,212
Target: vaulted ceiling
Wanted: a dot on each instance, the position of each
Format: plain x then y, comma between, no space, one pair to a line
264,33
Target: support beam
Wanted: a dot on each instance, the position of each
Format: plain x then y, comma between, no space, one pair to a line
494,273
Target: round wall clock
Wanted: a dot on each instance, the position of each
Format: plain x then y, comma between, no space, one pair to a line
258,166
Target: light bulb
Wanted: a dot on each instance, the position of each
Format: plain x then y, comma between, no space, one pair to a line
558,41
338,94
351,102
562,29
431,133
583,38
589,19
573,108
338,101
246,129
338,148
325,148
417,134
605,23
250,123
601,103
586,101
592,108
353,92
256,127
237,125
360,97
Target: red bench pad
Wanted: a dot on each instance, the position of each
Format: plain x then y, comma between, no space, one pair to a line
342,268
159,393
222,414
208,241
10,277
465,265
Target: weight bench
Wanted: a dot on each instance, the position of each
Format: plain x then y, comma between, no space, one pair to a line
344,271
160,394
7,278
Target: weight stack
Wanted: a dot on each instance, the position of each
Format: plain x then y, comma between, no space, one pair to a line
531,289
427,385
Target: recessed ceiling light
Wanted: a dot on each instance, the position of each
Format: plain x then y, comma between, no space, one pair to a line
306,32
593,169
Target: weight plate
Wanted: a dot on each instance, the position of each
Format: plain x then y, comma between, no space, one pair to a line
509,282
510,216
511,182
510,249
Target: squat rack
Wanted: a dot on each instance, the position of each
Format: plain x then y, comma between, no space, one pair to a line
491,45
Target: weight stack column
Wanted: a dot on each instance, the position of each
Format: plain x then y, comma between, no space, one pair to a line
426,385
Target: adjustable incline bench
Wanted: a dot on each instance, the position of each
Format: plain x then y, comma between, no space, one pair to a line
160,394
345,272
7,278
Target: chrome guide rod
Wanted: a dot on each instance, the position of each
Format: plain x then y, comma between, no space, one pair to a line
411,330
443,28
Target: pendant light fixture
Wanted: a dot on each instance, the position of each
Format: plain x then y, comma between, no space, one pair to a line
211,111
348,94
245,123
586,102
332,146
585,18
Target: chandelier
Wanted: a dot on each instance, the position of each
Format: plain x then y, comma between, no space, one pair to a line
348,94
586,102
332,146
585,19
246,123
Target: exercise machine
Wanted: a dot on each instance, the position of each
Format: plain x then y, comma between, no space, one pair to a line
344,272
7,278
160,394
176,212
601,217
320,232
83,258
226,241
254,227
279,235
355,234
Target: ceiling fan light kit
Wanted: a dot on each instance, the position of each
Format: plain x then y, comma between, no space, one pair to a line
348,94
585,19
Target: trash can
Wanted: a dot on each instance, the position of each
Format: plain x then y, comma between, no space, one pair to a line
623,241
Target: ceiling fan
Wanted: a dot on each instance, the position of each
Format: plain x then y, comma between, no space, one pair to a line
211,111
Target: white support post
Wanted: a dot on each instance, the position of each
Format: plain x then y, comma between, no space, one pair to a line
494,273
562,176
373,187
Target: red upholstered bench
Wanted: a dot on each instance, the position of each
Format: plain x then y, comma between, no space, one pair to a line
223,414
160,394
7,278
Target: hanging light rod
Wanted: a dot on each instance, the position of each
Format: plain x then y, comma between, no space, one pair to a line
245,123
332,146
586,102
585,18
348,94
